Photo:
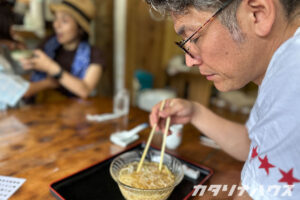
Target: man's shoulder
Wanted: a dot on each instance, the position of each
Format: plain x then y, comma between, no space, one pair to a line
282,77
285,61
289,51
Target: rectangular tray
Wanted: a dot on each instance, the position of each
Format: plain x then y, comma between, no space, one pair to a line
95,181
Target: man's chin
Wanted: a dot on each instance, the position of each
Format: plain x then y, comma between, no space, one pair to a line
225,88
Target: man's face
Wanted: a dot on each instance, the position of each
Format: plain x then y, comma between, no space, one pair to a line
226,62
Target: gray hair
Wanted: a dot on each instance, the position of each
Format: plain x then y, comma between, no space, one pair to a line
291,8
227,17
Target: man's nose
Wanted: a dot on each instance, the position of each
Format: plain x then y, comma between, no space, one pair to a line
190,62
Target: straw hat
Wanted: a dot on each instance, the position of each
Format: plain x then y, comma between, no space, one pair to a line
83,11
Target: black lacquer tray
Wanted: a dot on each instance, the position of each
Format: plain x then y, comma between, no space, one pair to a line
95,182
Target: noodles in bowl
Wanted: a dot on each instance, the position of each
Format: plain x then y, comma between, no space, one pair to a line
149,183
148,178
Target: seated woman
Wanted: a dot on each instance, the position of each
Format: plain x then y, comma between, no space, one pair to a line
67,62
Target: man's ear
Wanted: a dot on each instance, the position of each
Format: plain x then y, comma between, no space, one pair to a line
262,14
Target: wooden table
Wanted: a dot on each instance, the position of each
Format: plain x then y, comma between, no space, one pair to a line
44,143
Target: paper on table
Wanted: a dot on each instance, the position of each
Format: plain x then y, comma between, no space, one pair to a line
102,117
9,185
124,138
208,142
13,87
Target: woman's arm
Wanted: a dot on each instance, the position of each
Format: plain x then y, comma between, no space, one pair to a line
80,87
36,87
84,87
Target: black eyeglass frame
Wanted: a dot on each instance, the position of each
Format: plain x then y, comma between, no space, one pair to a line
181,43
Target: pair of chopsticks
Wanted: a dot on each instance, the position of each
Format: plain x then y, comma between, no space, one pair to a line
150,139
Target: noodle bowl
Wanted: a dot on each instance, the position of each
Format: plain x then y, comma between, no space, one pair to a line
149,183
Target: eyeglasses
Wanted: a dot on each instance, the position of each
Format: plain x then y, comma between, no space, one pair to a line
182,43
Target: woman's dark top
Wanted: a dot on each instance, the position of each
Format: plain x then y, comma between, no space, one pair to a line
65,59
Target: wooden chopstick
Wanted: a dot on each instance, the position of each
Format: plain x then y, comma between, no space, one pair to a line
149,139
164,143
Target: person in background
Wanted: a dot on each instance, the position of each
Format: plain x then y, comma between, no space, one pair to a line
234,42
66,62
7,19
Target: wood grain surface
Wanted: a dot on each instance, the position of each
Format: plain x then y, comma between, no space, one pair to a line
46,142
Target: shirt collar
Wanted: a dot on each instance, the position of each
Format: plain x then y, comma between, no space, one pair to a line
297,32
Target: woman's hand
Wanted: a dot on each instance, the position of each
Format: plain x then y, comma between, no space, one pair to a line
181,112
41,62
